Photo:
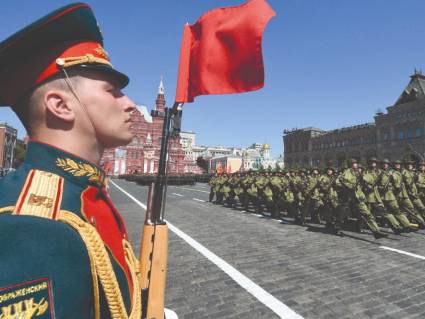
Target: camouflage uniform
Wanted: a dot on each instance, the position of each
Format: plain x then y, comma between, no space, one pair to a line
420,181
412,191
212,182
313,203
265,195
285,197
373,198
385,187
297,183
402,196
357,199
329,196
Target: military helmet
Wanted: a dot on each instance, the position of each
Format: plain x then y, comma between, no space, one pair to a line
397,162
352,161
372,159
421,163
325,170
385,161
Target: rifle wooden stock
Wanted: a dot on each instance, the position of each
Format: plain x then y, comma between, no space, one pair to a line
153,258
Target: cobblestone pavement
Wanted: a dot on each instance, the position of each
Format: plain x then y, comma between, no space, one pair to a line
315,274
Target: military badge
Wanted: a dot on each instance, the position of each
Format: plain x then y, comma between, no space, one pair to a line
31,299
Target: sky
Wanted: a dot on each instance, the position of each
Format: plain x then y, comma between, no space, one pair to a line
328,63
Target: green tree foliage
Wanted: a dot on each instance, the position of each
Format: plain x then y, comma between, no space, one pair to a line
202,163
20,152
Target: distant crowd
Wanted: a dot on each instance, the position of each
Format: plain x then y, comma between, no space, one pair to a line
382,195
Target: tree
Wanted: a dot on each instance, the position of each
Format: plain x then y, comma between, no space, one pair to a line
202,163
20,152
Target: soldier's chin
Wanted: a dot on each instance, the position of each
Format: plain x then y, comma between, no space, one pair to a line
118,141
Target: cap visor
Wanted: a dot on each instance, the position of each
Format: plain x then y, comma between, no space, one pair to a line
121,78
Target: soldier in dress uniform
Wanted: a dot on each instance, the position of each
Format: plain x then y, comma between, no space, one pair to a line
67,253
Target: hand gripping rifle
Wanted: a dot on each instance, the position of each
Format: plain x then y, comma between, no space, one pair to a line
154,243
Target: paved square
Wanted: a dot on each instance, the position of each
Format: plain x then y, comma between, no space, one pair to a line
315,274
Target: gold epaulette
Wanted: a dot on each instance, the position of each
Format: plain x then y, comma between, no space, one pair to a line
41,195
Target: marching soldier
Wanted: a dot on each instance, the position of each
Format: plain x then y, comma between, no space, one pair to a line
246,182
409,180
357,199
385,188
67,253
221,179
225,189
265,194
253,193
420,180
329,196
402,196
373,198
212,182
284,197
298,185
313,202
235,189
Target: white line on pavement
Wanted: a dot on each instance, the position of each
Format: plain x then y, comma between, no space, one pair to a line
263,296
199,200
402,252
129,195
179,195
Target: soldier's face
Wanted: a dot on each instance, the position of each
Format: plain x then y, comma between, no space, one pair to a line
108,108
422,168
355,166
373,164
397,166
385,166
409,167
330,172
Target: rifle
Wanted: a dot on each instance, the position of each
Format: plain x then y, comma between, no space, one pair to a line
154,242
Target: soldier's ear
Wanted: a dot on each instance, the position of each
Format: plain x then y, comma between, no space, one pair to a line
58,105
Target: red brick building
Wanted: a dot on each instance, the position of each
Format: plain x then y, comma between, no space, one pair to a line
142,154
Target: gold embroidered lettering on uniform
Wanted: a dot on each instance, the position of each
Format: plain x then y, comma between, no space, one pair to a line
40,201
25,309
41,195
23,292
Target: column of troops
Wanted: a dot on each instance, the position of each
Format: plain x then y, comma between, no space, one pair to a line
384,194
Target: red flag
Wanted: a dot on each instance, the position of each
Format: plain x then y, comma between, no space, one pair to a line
221,53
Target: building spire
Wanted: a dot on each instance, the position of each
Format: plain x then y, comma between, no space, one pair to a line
161,86
160,99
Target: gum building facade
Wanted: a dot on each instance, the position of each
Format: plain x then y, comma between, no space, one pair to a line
395,134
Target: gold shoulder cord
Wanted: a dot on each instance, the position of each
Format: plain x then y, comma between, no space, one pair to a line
101,267
8,209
